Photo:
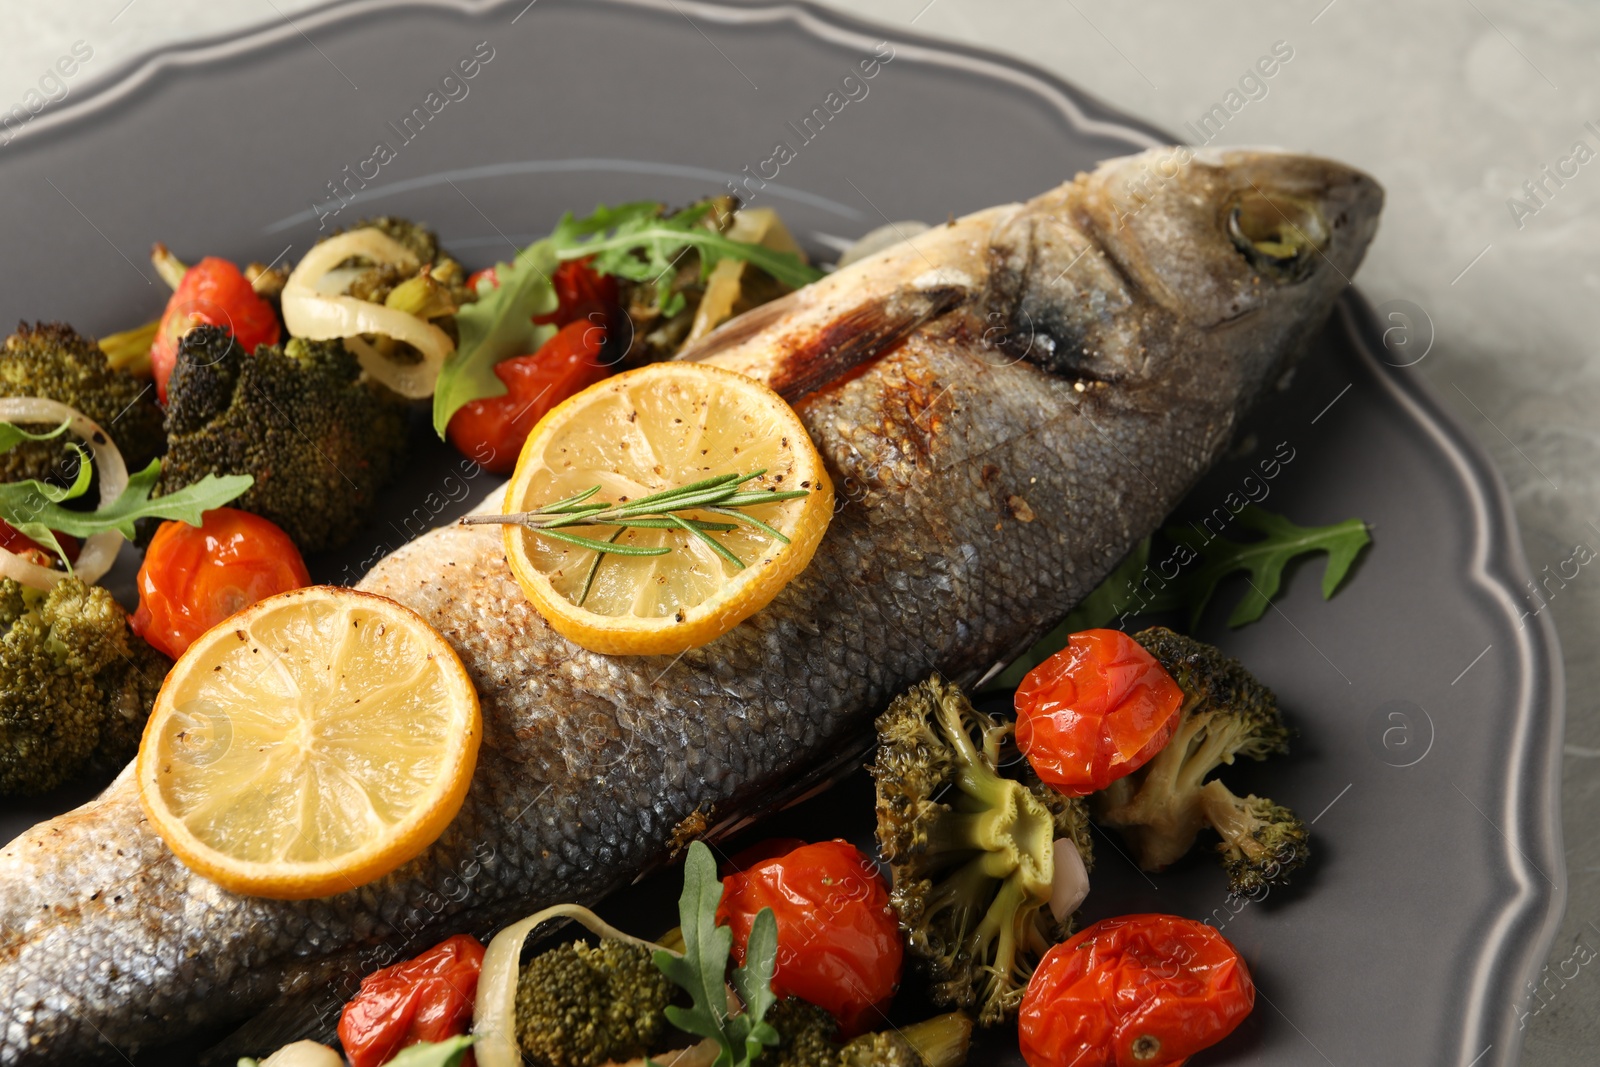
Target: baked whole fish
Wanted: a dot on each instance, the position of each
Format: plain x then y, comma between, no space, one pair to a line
1006,405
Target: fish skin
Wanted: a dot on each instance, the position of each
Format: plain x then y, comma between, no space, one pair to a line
992,464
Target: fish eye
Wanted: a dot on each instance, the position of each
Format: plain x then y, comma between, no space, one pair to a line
1279,235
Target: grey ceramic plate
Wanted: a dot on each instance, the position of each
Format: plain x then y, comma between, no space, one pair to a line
1428,710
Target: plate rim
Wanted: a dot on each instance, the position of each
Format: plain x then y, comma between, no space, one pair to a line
1498,565
1540,719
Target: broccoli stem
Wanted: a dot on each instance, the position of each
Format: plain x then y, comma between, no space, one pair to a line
973,865
1222,739
130,349
999,929
941,1041
1228,817
1162,807
989,830
1162,832
169,268
963,892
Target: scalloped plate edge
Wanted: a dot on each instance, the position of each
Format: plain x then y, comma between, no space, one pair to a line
1498,564
1499,567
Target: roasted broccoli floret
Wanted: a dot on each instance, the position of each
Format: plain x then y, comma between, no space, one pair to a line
807,1039
1163,806
973,872
76,685
805,1035
318,440
582,1005
52,360
377,282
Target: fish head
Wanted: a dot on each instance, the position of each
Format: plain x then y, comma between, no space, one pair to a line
1183,265
1217,236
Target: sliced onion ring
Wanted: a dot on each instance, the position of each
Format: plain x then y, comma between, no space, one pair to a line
100,550
317,315
494,1010
304,1054
751,226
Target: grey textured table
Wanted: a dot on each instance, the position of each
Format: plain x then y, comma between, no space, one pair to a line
1469,111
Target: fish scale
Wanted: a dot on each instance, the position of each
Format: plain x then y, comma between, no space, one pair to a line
1024,394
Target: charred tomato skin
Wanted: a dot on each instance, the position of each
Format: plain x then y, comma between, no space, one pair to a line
839,943
193,577
428,998
1136,991
579,291
213,292
490,430
1095,711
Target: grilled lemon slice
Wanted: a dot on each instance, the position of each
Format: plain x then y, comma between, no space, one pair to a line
642,432
311,743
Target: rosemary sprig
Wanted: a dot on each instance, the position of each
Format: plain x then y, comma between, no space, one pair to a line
721,495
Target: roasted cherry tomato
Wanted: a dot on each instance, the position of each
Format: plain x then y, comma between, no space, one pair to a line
18,543
215,293
579,291
193,577
1095,711
1139,991
491,430
770,849
839,941
424,999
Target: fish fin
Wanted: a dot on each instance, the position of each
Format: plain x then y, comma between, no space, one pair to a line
858,336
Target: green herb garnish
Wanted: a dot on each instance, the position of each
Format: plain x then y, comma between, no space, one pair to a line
1265,559
701,969
446,1053
721,495
1134,589
497,327
633,241
636,241
11,435
33,508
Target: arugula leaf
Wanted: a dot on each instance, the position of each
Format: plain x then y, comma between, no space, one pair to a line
447,1053
11,436
1125,590
497,327
633,241
1116,595
25,515
616,237
753,983
1266,558
700,970
34,508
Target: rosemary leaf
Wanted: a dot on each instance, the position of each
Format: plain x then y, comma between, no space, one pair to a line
716,546
594,566
720,494
750,519
603,546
